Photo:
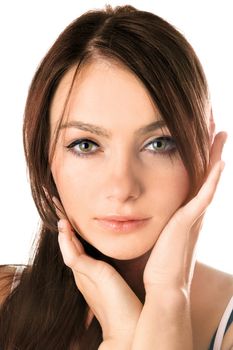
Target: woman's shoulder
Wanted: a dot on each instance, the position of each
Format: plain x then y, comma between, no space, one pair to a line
211,291
7,276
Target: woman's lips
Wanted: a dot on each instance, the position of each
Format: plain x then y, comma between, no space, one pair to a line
122,226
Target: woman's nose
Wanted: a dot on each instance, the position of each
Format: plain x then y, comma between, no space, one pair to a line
123,180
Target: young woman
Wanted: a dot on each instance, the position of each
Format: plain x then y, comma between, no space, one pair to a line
115,266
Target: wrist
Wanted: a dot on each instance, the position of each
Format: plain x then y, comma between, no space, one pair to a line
165,321
168,309
168,297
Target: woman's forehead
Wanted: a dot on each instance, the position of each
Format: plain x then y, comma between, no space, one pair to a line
102,90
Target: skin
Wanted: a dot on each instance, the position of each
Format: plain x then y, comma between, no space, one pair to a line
153,284
124,178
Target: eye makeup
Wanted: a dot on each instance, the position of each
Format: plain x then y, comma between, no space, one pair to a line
161,146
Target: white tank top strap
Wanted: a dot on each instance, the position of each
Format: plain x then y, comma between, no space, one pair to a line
19,269
222,325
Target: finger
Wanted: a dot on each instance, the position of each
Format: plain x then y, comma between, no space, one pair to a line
74,256
217,148
97,271
59,208
198,223
172,260
71,247
72,250
89,273
197,206
215,156
104,290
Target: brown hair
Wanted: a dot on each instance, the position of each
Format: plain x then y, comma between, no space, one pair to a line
46,310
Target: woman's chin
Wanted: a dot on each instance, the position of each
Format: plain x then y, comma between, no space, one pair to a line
125,254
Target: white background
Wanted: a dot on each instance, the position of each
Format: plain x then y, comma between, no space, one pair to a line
28,29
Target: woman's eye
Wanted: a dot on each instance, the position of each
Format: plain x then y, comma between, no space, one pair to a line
164,144
82,147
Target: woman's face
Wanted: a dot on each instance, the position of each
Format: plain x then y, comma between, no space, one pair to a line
125,169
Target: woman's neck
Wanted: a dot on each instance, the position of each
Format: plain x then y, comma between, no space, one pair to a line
132,272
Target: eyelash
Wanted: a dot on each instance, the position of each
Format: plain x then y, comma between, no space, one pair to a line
169,152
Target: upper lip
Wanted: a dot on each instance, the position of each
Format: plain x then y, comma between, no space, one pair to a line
121,218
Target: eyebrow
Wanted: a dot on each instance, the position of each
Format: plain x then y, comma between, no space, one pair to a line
100,131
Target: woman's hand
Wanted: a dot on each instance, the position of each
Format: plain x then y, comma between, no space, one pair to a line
110,298
171,261
165,319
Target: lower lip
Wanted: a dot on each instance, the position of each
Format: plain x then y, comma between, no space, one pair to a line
122,226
